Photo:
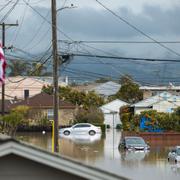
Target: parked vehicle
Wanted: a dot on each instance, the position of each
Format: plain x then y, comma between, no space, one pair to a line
81,128
133,143
174,154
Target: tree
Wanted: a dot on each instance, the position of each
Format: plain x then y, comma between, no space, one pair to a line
18,68
92,115
129,90
82,99
16,117
38,69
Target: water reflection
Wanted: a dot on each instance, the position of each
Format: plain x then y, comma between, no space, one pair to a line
175,168
103,152
134,155
85,148
82,138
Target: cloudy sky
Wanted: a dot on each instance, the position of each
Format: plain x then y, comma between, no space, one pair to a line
158,19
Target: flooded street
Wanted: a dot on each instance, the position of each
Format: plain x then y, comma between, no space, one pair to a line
103,153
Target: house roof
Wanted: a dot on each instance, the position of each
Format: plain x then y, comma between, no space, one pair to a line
161,88
107,89
43,100
11,146
113,106
155,99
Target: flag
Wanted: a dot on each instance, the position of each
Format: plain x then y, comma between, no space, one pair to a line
2,65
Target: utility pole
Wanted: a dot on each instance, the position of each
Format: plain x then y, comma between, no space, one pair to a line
3,46
55,74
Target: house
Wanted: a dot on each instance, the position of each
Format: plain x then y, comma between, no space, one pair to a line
41,105
20,161
107,89
111,112
21,87
149,91
163,102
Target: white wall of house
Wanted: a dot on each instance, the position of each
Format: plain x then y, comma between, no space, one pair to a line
111,112
164,106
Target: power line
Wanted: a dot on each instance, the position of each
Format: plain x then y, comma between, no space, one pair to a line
125,58
9,12
117,42
20,25
137,29
5,5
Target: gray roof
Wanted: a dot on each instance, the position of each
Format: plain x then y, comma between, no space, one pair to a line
107,89
155,99
11,146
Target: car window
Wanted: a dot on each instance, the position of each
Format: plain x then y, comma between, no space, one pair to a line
135,141
178,151
82,126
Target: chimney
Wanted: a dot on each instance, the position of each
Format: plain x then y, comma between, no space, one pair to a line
26,93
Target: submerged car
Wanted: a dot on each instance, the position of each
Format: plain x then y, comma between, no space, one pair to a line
133,143
174,154
81,128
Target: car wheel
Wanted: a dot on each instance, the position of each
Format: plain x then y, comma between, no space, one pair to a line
175,161
168,159
92,132
66,133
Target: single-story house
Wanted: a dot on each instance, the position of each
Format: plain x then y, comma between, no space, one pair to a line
149,91
107,89
42,105
20,161
111,112
163,102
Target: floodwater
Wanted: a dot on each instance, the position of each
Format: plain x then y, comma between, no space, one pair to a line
102,152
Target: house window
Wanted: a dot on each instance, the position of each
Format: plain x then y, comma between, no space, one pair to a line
50,114
26,93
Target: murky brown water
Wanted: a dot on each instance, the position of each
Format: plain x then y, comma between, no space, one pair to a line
103,152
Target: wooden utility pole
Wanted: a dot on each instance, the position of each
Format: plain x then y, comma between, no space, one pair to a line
55,74
3,46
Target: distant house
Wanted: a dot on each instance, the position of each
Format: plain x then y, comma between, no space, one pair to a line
149,91
20,161
44,103
111,112
107,89
163,102
20,87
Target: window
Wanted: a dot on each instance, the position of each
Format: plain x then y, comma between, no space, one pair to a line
50,114
82,126
26,93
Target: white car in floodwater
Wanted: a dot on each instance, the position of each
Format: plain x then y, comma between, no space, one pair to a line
174,154
81,128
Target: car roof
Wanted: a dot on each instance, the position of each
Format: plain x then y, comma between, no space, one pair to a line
132,137
83,124
178,147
